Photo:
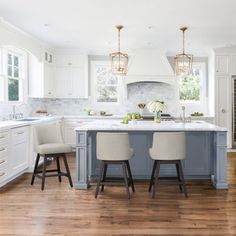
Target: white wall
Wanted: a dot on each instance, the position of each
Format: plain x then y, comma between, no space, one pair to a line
12,36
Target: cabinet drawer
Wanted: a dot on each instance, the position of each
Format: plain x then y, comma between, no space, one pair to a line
3,174
19,135
75,123
4,137
4,150
3,162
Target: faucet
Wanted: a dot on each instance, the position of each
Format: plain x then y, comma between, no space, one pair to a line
14,115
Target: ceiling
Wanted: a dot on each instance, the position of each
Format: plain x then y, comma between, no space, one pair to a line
89,24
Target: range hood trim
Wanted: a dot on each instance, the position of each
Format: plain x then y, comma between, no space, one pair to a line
131,79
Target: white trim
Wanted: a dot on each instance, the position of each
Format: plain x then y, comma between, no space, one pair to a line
93,85
23,74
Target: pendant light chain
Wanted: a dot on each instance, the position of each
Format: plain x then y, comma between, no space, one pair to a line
183,42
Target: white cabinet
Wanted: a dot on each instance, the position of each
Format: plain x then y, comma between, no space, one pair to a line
233,64
69,125
4,155
19,150
222,64
71,76
13,153
40,78
223,105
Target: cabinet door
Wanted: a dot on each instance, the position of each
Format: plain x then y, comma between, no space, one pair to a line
61,81
48,80
78,82
233,65
222,64
19,150
223,104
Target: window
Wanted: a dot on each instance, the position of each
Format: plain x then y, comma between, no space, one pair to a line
193,87
13,75
105,85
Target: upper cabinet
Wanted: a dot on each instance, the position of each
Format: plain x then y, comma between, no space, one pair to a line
58,76
71,76
233,65
222,65
40,78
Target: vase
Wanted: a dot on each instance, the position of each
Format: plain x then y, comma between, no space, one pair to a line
157,117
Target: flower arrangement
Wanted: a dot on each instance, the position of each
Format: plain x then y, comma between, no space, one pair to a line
156,106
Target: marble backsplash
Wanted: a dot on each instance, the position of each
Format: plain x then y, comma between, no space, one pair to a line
136,93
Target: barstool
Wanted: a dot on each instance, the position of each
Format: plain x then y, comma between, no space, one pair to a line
168,148
48,143
113,148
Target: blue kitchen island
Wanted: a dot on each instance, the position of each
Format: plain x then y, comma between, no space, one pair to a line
206,150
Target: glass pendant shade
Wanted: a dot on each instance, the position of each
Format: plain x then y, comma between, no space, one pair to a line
183,61
119,60
119,63
183,64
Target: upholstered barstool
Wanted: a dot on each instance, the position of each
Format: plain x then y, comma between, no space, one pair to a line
168,148
113,148
48,143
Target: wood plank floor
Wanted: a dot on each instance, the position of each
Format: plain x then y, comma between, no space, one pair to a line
61,211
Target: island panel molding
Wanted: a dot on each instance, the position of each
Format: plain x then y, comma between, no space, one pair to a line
206,150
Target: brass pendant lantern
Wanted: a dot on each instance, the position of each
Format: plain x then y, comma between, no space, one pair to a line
119,60
183,62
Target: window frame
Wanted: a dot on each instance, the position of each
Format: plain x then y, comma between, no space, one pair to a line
23,80
203,86
94,85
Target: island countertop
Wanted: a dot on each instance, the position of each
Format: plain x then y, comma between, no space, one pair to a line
116,125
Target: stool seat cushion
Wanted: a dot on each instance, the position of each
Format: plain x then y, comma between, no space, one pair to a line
53,148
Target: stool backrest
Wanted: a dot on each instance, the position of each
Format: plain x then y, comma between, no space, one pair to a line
50,133
113,146
169,145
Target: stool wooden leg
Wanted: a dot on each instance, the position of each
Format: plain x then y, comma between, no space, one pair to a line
104,176
58,168
152,176
126,179
44,172
156,179
130,176
179,177
182,178
67,170
99,178
35,168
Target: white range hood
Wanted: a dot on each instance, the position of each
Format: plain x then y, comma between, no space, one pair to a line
148,65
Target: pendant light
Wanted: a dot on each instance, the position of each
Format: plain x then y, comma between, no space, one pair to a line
183,62
119,60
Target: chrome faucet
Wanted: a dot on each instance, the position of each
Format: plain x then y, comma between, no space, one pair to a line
14,115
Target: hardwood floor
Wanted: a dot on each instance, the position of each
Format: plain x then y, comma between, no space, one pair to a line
62,211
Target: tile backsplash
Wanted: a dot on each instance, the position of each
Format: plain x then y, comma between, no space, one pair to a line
136,93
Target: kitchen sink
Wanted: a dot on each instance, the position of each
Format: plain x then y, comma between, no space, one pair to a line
28,119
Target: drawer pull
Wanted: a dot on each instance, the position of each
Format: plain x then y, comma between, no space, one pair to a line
1,162
2,174
20,132
1,137
2,149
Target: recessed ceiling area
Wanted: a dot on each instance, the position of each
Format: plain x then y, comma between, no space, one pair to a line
90,24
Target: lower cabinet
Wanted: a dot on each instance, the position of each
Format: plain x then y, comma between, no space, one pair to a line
13,153
19,150
69,125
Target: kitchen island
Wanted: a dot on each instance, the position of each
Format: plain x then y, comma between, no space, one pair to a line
206,150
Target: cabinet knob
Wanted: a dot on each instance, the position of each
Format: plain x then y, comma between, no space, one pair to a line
223,110
2,174
69,64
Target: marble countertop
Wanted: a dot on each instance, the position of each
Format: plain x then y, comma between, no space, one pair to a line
18,123
116,125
